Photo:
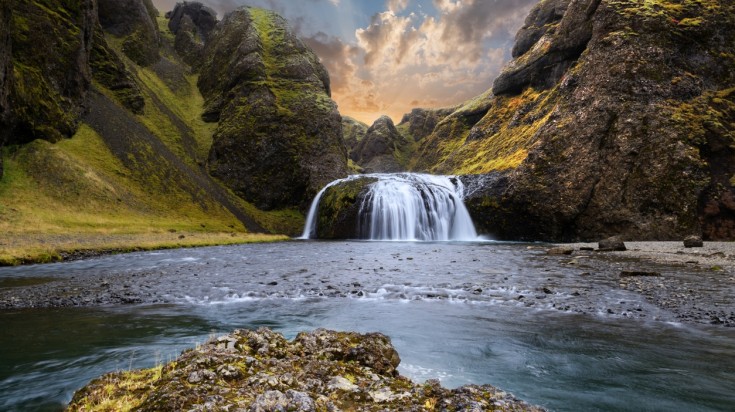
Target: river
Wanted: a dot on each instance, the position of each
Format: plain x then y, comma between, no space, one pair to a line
562,336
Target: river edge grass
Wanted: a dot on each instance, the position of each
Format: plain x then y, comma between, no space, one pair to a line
34,248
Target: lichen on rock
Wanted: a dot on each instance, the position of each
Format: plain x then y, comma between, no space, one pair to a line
262,371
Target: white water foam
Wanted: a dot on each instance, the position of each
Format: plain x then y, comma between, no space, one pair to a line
406,207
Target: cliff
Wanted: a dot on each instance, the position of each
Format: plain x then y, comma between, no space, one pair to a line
101,126
614,118
279,137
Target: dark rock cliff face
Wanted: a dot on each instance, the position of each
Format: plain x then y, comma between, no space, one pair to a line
279,138
191,22
422,122
45,77
620,116
5,73
109,70
376,152
353,131
135,20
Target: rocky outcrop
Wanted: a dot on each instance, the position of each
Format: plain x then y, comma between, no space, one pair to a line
353,131
109,70
5,73
46,77
203,18
191,23
279,138
618,120
262,371
552,39
378,151
338,212
422,122
135,22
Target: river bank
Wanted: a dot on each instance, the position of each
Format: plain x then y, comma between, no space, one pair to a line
31,248
695,284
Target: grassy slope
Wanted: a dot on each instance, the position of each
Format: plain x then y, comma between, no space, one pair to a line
77,195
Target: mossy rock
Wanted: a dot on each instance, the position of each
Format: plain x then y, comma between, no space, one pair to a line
260,370
279,138
338,212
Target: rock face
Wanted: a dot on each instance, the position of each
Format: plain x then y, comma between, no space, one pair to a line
377,152
262,371
279,138
202,17
422,122
191,22
614,118
109,70
5,72
44,78
339,208
135,21
353,131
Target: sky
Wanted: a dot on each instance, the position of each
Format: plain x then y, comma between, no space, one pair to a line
386,57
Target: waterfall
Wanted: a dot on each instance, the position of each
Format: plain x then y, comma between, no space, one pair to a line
406,206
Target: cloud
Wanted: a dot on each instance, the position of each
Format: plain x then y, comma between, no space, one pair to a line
396,6
435,60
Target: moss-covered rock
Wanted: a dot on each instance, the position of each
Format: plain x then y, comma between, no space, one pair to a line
262,371
338,212
279,138
191,23
109,70
379,150
135,22
353,131
48,73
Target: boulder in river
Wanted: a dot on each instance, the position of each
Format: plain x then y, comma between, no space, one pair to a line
262,371
612,244
693,241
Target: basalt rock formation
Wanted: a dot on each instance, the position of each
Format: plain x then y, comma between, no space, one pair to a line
614,118
45,78
191,23
377,152
262,371
353,131
135,22
279,138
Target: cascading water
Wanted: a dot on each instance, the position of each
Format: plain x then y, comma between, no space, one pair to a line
406,206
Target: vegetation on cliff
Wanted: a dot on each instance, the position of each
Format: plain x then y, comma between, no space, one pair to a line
129,150
614,118
279,138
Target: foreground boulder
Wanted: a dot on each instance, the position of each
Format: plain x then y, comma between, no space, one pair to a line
262,371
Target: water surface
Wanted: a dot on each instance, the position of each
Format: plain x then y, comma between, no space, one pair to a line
461,313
